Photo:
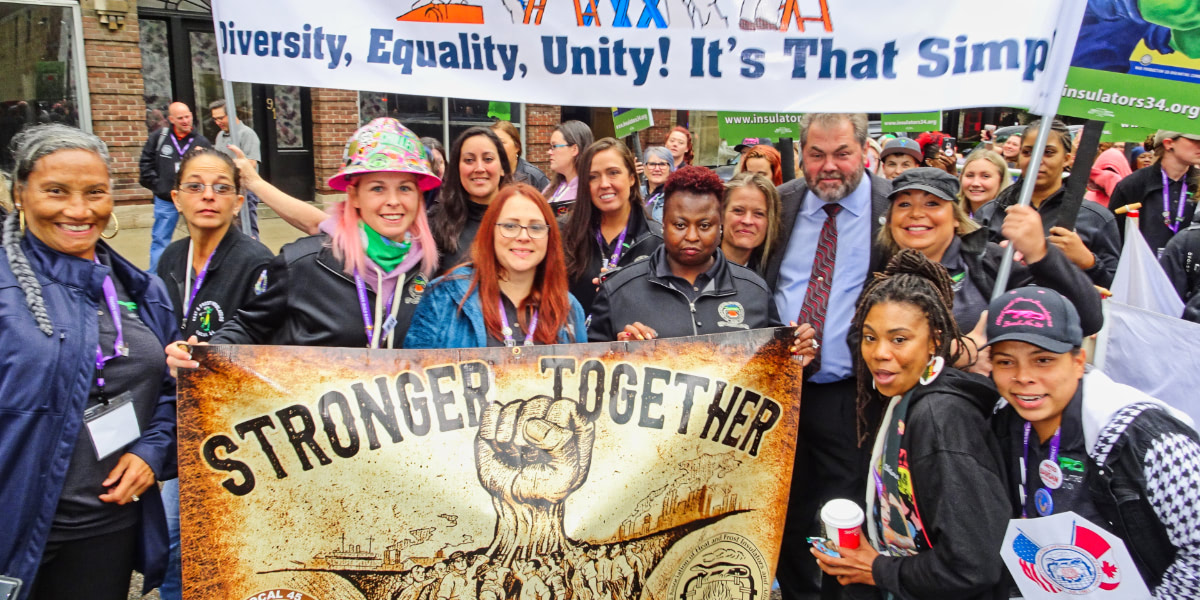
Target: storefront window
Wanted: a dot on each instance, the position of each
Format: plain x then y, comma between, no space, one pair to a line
41,74
208,85
423,114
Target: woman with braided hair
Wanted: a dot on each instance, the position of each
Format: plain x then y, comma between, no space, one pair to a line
87,408
936,507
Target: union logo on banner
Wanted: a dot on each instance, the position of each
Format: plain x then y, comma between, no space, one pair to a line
1067,554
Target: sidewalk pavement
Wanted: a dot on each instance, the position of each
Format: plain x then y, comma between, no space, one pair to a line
134,242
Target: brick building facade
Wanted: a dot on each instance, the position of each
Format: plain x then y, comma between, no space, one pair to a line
136,58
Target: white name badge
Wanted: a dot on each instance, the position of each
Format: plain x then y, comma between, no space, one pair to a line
112,426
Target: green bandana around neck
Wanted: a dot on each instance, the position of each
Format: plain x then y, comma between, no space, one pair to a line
382,251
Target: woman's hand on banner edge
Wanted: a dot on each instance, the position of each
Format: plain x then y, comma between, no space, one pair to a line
179,355
128,480
636,331
853,567
804,343
247,168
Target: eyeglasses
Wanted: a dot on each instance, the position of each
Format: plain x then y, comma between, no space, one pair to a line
536,231
554,147
220,189
657,165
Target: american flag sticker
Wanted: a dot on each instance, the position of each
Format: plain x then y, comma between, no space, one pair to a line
1067,555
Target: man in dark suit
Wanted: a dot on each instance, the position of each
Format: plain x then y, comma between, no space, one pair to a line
830,221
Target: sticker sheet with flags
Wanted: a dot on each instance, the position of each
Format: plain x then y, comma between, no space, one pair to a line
1065,554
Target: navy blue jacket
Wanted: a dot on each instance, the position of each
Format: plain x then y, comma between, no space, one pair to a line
44,385
439,324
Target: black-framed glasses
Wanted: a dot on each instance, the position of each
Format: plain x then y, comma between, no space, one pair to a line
536,231
657,165
220,189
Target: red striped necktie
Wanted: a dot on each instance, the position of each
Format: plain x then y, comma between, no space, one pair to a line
816,298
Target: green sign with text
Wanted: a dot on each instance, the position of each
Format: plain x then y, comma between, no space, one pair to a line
911,122
734,127
628,121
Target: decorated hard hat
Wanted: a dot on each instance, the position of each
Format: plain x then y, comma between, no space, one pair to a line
384,145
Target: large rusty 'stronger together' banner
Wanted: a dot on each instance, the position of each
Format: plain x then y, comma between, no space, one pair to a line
653,469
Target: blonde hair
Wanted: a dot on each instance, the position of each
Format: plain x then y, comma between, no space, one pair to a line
774,207
997,161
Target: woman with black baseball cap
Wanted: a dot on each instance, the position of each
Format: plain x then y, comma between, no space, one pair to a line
1075,440
925,216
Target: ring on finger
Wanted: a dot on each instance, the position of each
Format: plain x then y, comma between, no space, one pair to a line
136,499
815,344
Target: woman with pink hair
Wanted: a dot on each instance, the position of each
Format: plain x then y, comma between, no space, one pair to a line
358,282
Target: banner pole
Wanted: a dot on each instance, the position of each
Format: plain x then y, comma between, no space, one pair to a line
1081,171
1067,32
1027,185
234,124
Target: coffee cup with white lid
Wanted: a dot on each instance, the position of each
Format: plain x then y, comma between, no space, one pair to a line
842,519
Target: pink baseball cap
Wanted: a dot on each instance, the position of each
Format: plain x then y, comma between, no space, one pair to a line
384,145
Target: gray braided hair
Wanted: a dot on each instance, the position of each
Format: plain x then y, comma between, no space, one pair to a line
28,147
24,273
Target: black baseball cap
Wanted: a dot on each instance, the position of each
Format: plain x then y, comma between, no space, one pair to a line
751,142
926,179
1035,315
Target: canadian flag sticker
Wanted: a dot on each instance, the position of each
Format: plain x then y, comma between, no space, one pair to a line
1067,554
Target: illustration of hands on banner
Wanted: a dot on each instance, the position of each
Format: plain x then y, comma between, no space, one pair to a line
600,471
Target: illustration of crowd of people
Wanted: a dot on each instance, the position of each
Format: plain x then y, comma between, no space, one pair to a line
604,572
881,254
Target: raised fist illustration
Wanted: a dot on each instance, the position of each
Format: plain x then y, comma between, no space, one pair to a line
530,455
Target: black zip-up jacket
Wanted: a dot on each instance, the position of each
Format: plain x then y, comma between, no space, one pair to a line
1095,226
1145,186
1181,261
959,487
311,301
157,164
1145,491
646,237
734,299
1054,271
236,273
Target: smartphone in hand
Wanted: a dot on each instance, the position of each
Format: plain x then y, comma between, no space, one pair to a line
824,546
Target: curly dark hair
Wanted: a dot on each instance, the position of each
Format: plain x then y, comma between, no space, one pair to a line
696,180
909,278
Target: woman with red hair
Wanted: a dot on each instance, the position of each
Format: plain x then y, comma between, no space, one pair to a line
679,142
765,161
357,283
514,290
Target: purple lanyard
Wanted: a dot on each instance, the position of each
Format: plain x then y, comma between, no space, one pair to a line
616,255
119,347
507,331
365,306
1054,442
175,142
187,303
652,199
1174,227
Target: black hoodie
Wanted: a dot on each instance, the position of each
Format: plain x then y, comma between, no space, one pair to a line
959,488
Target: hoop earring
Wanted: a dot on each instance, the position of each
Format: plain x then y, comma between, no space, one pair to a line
116,228
932,369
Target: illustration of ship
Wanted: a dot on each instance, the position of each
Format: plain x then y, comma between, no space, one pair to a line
351,557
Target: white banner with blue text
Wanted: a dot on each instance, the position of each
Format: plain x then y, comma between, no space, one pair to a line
760,55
